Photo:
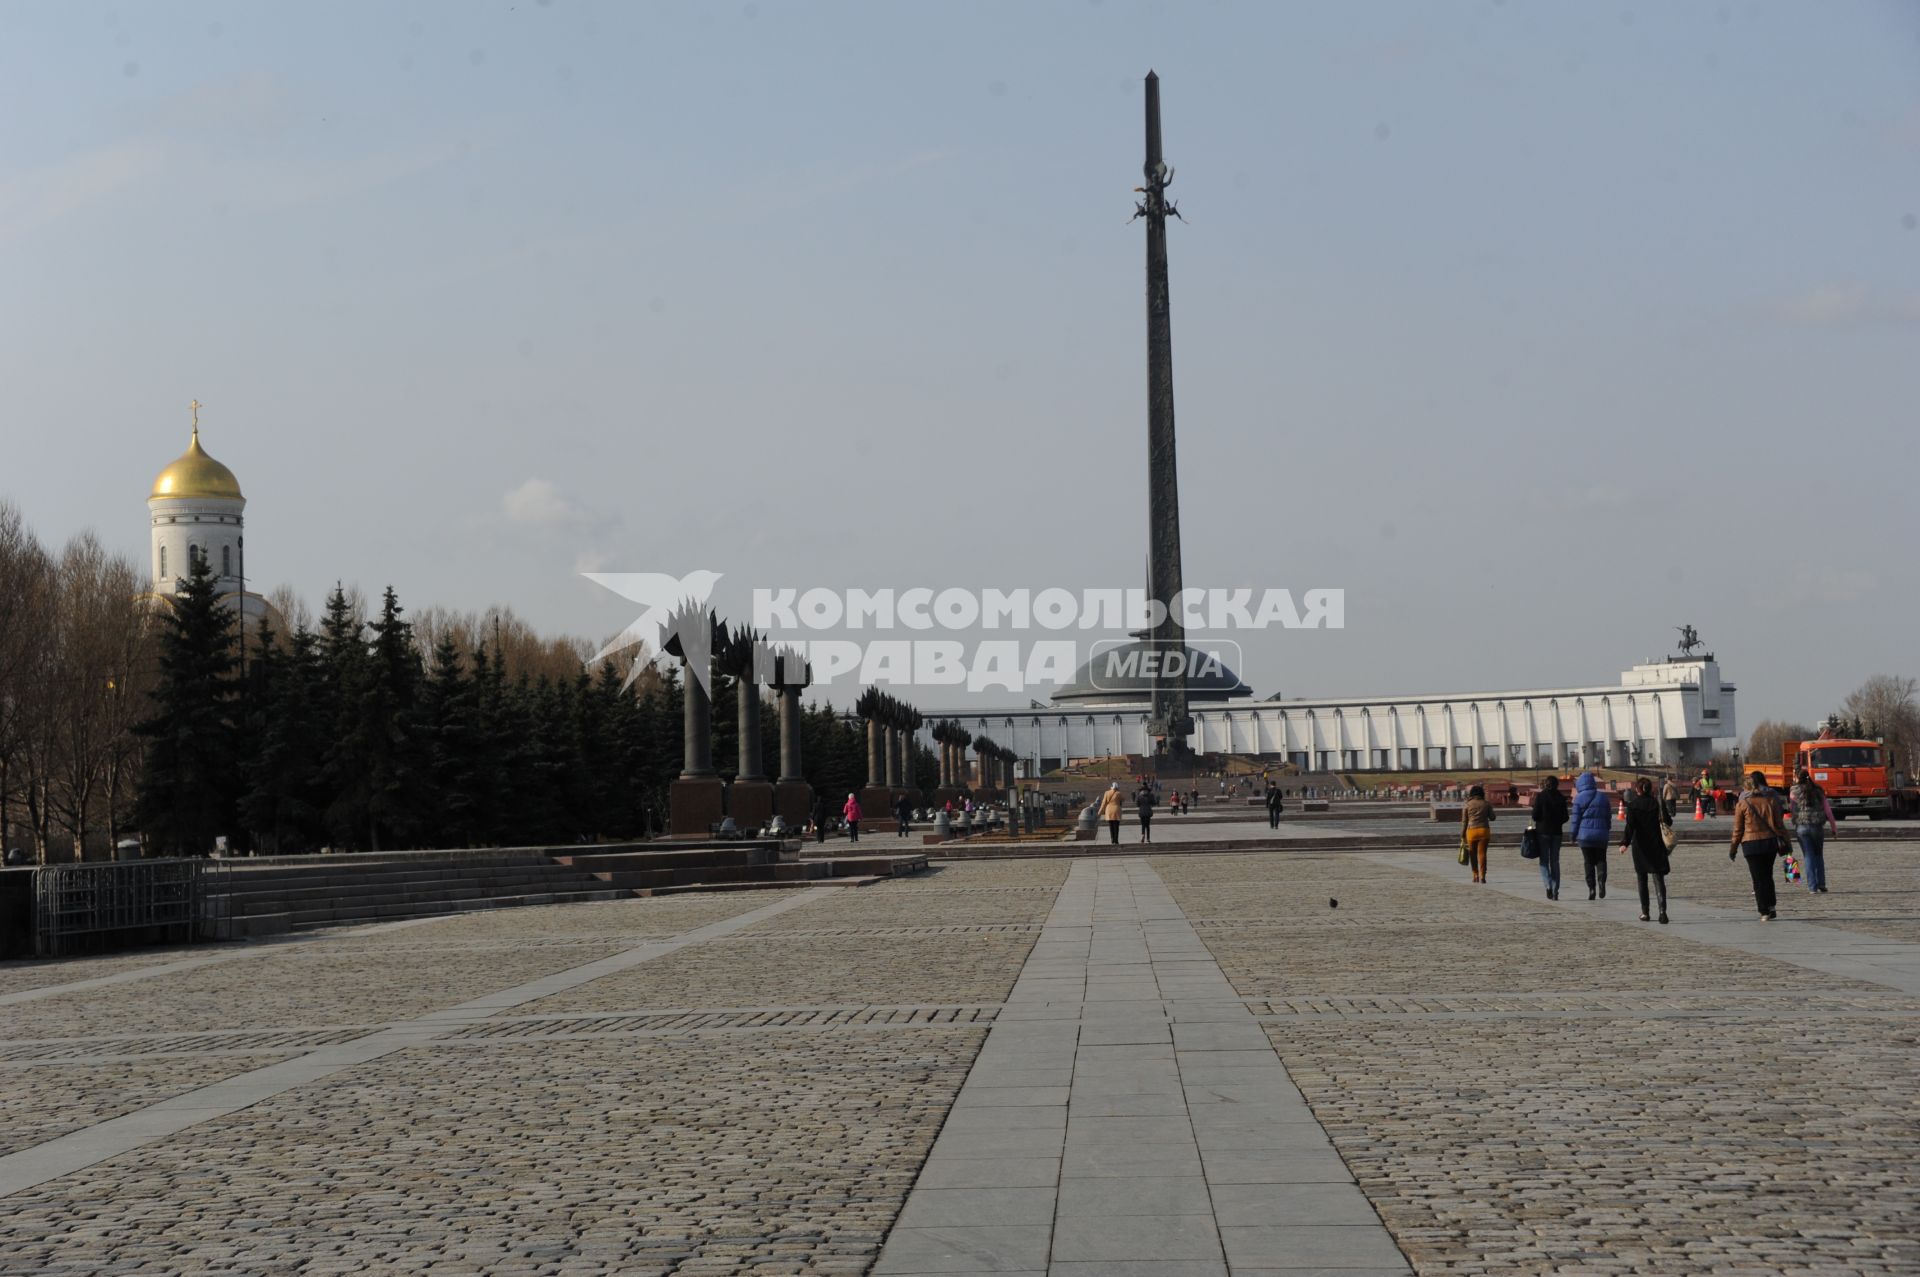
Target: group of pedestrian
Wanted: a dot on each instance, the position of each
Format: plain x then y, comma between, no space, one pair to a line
1644,832
1113,810
1762,819
851,814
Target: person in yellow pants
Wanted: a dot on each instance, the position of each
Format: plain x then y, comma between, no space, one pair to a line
1476,824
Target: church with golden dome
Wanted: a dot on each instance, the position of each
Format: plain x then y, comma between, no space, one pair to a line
198,514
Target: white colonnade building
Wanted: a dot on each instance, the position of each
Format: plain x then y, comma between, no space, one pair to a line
1659,714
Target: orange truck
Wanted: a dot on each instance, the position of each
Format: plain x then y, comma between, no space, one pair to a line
1852,771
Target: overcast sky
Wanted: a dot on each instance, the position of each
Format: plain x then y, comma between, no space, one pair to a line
1538,328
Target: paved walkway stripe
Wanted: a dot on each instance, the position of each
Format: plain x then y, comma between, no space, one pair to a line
1830,950
1127,1114
122,977
34,1166
237,949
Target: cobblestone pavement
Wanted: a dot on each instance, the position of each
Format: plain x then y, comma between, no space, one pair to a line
40,1104
307,985
46,973
637,1123
754,1083
1274,933
1521,1091
529,1157
1874,887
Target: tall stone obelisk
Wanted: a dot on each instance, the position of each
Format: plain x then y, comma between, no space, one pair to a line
1170,723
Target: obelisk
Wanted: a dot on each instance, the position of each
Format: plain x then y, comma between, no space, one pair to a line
1170,723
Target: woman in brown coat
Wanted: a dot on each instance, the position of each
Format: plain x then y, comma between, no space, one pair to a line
1643,834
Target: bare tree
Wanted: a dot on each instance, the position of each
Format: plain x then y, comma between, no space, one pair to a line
130,683
1769,735
1886,707
506,636
96,621
293,610
75,697
23,577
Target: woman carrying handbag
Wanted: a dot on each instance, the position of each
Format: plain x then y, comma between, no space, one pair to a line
1476,831
1759,833
1644,833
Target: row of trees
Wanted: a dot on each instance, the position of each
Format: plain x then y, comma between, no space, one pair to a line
119,717
353,735
75,665
1886,708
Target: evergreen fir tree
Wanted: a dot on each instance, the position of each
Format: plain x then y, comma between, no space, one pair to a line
386,723
623,750
283,800
448,731
497,749
548,731
190,784
589,788
343,686
833,754
664,742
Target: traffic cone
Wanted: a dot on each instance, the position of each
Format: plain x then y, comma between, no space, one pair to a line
1699,810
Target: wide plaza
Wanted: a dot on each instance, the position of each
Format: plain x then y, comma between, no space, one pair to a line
1181,1062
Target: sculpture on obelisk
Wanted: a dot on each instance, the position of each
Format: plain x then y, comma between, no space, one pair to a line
1170,724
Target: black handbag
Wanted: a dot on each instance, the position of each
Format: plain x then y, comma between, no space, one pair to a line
1530,843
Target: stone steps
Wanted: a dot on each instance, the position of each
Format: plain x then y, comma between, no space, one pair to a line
695,875
861,881
306,919
448,886
649,861
299,894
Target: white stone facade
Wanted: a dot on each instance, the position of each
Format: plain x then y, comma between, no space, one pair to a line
1660,714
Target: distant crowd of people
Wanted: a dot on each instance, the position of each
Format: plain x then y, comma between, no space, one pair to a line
822,821
1112,806
1767,826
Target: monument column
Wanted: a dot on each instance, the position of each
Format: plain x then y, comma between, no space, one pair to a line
750,800
697,799
876,798
792,796
1170,722
911,721
943,739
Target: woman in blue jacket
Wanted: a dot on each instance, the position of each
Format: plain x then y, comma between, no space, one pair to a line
1592,827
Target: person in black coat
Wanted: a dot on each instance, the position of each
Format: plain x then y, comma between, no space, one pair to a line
1549,829
1274,806
820,818
1643,835
1143,803
903,812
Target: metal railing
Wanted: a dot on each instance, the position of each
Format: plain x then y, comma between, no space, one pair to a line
79,908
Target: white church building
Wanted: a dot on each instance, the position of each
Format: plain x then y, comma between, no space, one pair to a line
197,512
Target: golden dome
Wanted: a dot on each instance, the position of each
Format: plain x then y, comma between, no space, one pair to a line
195,474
